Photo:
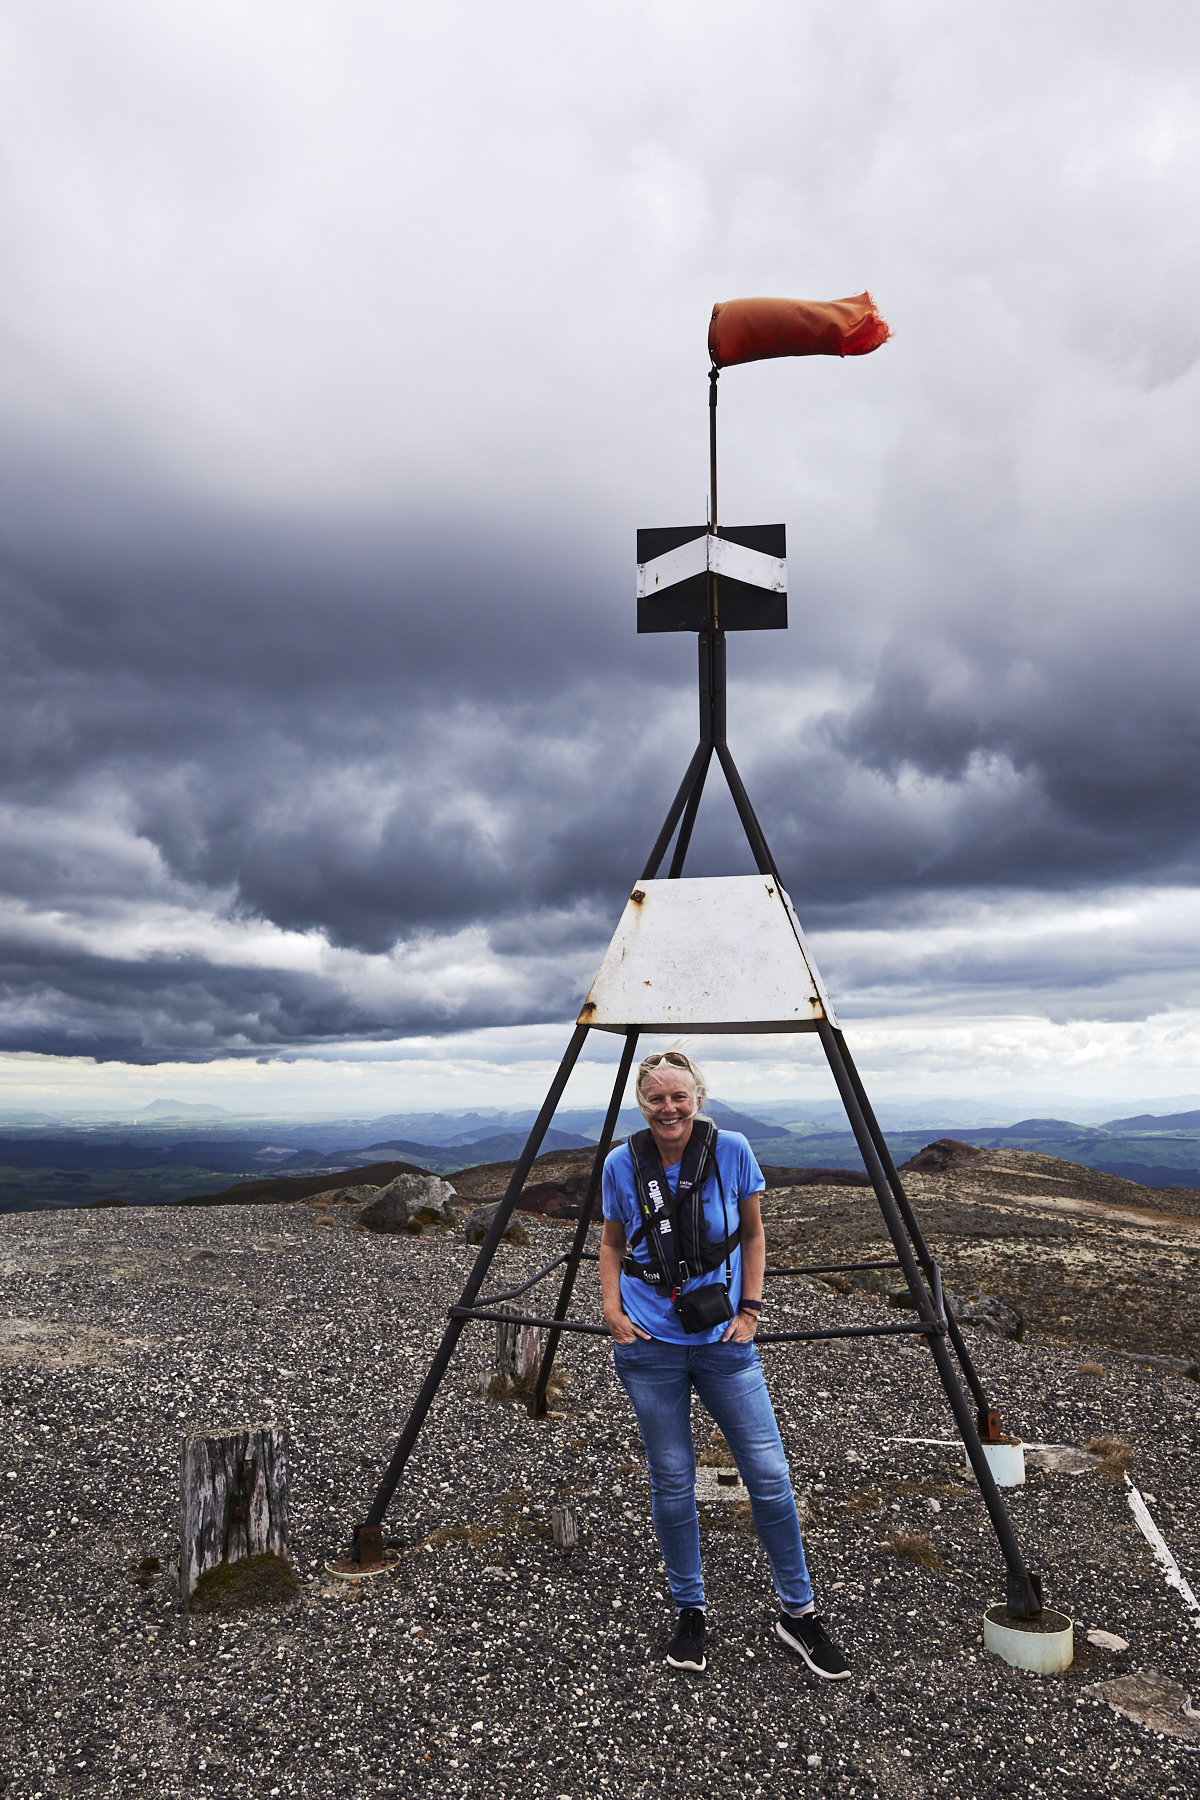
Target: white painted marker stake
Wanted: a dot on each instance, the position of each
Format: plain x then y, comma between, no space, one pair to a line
1153,1537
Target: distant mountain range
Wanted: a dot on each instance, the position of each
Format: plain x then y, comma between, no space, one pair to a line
502,1147
505,1146
1186,1121
40,1166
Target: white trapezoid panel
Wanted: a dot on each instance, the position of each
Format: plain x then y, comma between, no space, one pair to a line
722,954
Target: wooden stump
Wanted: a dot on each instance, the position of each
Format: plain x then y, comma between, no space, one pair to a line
518,1350
232,1500
565,1521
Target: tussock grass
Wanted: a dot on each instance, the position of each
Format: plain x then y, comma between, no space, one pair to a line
1115,1454
1095,1369
865,1500
718,1454
504,1389
914,1547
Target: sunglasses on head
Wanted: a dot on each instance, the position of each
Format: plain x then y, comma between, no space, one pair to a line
676,1059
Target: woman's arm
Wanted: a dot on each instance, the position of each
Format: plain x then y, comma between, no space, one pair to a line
754,1260
612,1249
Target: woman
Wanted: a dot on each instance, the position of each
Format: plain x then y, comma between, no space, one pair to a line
681,1268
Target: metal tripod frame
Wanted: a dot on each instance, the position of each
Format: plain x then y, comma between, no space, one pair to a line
935,1322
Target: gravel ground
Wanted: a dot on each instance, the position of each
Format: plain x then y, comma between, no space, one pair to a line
490,1662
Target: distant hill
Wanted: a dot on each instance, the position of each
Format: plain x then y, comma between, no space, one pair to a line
1152,1175
484,1150
1062,1130
84,1152
728,1119
405,1144
1188,1121
182,1109
276,1190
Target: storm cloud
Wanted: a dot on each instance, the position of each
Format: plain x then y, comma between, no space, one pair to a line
339,372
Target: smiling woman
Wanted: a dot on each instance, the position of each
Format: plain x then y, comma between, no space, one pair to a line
682,1298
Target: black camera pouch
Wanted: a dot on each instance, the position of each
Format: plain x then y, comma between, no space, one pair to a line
704,1307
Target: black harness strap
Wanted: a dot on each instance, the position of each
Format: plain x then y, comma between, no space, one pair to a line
667,1269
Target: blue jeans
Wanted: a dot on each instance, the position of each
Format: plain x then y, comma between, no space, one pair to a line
659,1377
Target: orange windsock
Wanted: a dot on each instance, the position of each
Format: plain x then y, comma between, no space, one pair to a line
744,331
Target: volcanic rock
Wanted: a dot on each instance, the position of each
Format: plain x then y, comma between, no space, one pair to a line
992,1314
478,1223
408,1204
942,1154
1170,1365
552,1200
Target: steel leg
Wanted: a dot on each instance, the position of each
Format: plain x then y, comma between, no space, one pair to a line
699,760
370,1526
1024,1589
988,1416
537,1400
689,820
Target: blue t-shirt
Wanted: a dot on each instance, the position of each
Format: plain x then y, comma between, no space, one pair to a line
741,1177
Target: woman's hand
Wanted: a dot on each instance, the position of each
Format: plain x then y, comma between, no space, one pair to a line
622,1328
612,1247
754,1262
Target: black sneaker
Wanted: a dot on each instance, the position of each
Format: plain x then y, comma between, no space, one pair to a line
807,1635
686,1648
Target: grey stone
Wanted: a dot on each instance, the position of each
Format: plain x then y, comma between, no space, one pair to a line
992,1314
1170,1365
477,1224
1149,1698
872,1281
409,1204
987,1311
902,1296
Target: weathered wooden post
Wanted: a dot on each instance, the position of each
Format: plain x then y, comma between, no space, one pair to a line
518,1350
564,1520
233,1500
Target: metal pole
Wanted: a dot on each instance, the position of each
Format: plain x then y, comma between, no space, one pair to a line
751,826
741,799
885,1157
699,761
714,375
714,607
369,1529
1023,1589
537,1402
706,664
689,820
988,1420
716,684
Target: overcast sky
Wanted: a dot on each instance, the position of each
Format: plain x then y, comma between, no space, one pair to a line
344,349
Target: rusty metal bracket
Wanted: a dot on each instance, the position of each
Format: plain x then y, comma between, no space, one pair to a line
989,1425
368,1546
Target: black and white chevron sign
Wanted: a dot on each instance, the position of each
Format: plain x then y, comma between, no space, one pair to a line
675,563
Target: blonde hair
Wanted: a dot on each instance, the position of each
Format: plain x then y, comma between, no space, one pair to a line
675,1059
